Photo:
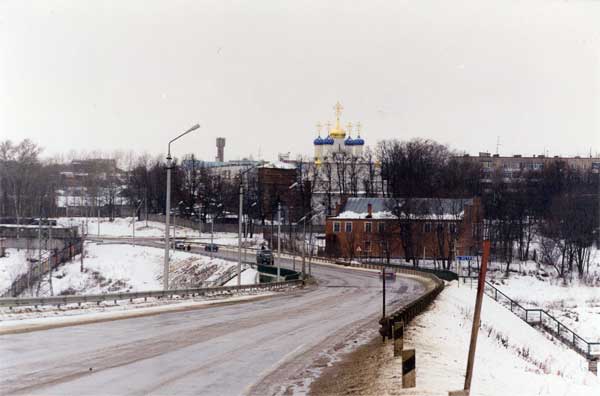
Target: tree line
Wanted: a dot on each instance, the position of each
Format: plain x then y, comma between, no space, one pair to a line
549,214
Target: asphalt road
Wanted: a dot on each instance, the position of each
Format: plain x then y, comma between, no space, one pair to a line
249,348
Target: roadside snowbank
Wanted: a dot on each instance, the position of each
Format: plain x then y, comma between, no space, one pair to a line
512,357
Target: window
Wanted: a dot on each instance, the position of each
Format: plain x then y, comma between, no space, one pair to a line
381,227
453,228
427,227
348,226
368,227
336,226
440,227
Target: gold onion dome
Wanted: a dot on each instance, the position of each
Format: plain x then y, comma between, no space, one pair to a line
337,132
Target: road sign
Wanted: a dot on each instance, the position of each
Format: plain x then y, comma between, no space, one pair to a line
465,258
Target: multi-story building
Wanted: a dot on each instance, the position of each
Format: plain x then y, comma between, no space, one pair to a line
510,168
434,228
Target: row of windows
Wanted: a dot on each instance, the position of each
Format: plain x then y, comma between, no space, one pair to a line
427,227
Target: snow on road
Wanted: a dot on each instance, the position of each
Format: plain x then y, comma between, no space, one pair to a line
512,357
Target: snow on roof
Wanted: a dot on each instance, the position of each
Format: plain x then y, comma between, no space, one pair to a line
279,165
416,208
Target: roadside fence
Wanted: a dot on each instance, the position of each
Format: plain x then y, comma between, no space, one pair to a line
41,268
541,318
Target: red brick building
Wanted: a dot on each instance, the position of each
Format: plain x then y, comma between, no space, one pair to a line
431,228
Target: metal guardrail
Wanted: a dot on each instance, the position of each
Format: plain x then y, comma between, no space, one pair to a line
547,322
98,298
414,308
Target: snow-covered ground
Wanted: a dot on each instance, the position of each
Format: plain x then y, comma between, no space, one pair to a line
573,302
512,358
14,264
249,277
123,227
577,305
122,267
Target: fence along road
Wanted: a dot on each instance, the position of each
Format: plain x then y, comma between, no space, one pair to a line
256,347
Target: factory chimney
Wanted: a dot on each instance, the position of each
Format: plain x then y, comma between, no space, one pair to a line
220,150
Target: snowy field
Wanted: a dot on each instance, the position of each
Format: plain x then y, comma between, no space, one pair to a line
512,358
110,268
577,305
574,302
123,227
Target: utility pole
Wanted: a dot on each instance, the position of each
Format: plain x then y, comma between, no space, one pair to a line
477,313
239,267
304,249
294,247
212,247
278,241
82,241
383,291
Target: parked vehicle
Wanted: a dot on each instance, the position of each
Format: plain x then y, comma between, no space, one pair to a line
265,257
211,247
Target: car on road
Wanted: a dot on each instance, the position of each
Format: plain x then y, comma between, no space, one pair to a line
265,257
211,247
389,275
181,245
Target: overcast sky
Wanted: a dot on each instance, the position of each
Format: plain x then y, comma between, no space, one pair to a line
130,75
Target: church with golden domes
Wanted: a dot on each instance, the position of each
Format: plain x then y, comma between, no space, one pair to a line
338,140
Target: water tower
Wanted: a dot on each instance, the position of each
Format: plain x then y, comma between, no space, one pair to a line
220,149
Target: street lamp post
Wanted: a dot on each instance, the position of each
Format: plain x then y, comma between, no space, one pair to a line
168,207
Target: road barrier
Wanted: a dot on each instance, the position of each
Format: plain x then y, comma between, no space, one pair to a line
392,326
398,335
409,365
98,298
